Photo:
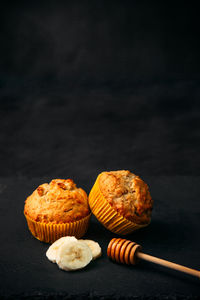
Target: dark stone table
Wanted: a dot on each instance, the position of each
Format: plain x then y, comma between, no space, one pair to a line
173,235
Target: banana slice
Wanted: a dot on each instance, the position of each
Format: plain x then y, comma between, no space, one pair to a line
73,255
53,249
95,248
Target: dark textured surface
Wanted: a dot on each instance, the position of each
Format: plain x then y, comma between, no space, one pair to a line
65,135
99,85
173,235
88,86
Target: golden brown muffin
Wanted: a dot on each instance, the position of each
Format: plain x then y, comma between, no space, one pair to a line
128,194
57,209
60,201
121,201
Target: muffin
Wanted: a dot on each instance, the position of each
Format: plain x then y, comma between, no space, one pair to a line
57,209
121,201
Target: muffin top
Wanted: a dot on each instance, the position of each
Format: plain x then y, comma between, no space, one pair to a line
60,201
128,194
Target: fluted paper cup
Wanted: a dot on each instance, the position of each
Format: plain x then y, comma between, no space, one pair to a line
50,232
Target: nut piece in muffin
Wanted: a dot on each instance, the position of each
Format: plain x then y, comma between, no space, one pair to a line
128,194
60,201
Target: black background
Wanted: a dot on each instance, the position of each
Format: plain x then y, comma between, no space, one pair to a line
88,86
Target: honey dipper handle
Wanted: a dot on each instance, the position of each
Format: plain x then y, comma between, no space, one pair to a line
168,264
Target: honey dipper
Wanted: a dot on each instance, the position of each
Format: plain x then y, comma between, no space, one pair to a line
128,252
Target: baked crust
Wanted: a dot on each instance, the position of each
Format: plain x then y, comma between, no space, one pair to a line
128,194
60,201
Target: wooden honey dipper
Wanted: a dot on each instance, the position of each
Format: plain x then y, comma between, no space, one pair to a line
128,252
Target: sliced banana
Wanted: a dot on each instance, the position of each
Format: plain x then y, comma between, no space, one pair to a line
73,255
53,249
95,248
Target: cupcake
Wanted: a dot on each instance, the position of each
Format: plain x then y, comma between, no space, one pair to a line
57,209
121,201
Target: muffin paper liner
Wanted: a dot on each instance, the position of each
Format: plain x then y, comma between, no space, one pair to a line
50,232
106,214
